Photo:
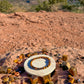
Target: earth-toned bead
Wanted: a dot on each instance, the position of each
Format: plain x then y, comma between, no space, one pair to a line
35,53
44,50
9,82
73,71
71,80
22,56
11,78
29,54
9,70
64,57
3,69
16,60
5,79
17,74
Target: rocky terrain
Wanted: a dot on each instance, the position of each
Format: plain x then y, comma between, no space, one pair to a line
59,32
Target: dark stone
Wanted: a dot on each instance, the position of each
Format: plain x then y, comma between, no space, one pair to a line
7,54
66,81
57,55
2,61
50,54
26,48
57,60
82,57
76,81
60,65
83,81
47,83
65,68
69,83
56,81
28,1
20,70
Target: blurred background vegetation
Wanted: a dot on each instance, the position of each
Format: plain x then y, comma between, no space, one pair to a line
9,6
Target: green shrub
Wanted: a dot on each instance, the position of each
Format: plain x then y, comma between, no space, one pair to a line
49,5
68,7
82,2
43,6
52,1
73,8
5,6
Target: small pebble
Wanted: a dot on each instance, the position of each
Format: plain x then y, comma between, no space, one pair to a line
83,81
57,55
69,83
78,80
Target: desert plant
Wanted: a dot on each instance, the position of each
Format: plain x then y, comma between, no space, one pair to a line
49,5
82,2
52,1
5,6
67,7
43,6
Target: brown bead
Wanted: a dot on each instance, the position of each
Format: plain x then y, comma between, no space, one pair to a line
44,50
9,70
9,82
64,57
16,60
17,74
5,79
11,78
45,53
20,61
22,56
13,72
29,54
35,53
73,71
3,69
71,80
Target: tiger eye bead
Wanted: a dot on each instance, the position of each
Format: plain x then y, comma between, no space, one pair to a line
13,72
5,79
64,57
69,76
9,82
16,60
35,53
22,56
19,61
71,80
44,50
45,53
29,54
11,78
9,70
73,71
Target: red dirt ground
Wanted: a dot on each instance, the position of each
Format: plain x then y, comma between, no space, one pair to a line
41,29
59,32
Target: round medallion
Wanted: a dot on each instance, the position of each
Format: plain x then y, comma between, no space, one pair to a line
39,65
